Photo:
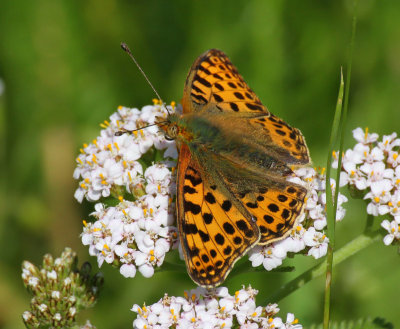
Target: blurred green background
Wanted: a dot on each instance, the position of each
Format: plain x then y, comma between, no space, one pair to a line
64,73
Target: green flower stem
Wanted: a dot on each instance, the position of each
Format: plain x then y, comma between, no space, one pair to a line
368,224
338,126
353,247
331,203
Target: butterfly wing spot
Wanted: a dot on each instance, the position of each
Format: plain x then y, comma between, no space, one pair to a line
189,189
204,236
219,239
226,205
273,207
210,198
207,218
227,250
269,219
192,207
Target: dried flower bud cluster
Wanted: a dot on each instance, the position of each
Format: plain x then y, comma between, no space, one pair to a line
202,308
59,291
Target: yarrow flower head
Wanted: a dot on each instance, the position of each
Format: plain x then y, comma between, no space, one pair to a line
202,308
110,162
59,291
136,233
371,168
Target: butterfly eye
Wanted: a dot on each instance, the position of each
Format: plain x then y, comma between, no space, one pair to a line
172,132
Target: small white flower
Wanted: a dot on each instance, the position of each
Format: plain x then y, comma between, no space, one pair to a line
27,316
292,322
55,294
318,241
72,311
364,137
380,196
146,270
393,230
128,270
272,309
389,142
57,317
393,159
52,275
33,281
43,308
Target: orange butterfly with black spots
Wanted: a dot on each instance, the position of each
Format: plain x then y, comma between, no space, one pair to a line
234,160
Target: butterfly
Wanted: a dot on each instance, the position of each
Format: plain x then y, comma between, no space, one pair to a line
234,160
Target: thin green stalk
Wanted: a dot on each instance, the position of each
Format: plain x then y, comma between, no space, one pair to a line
346,100
353,247
332,206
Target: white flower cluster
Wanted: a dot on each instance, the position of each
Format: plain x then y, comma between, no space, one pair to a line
133,234
202,308
111,161
308,236
136,234
373,167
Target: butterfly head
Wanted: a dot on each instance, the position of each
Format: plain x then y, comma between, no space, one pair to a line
172,131
174,127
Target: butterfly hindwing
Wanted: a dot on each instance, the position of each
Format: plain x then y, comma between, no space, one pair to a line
214,233
276,208
274,203
213,79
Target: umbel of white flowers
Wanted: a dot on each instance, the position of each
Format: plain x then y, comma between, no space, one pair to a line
202,308
372,167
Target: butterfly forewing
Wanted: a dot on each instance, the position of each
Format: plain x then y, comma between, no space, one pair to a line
214,233
214,80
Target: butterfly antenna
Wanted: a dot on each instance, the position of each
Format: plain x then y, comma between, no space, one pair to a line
125,47
125,131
